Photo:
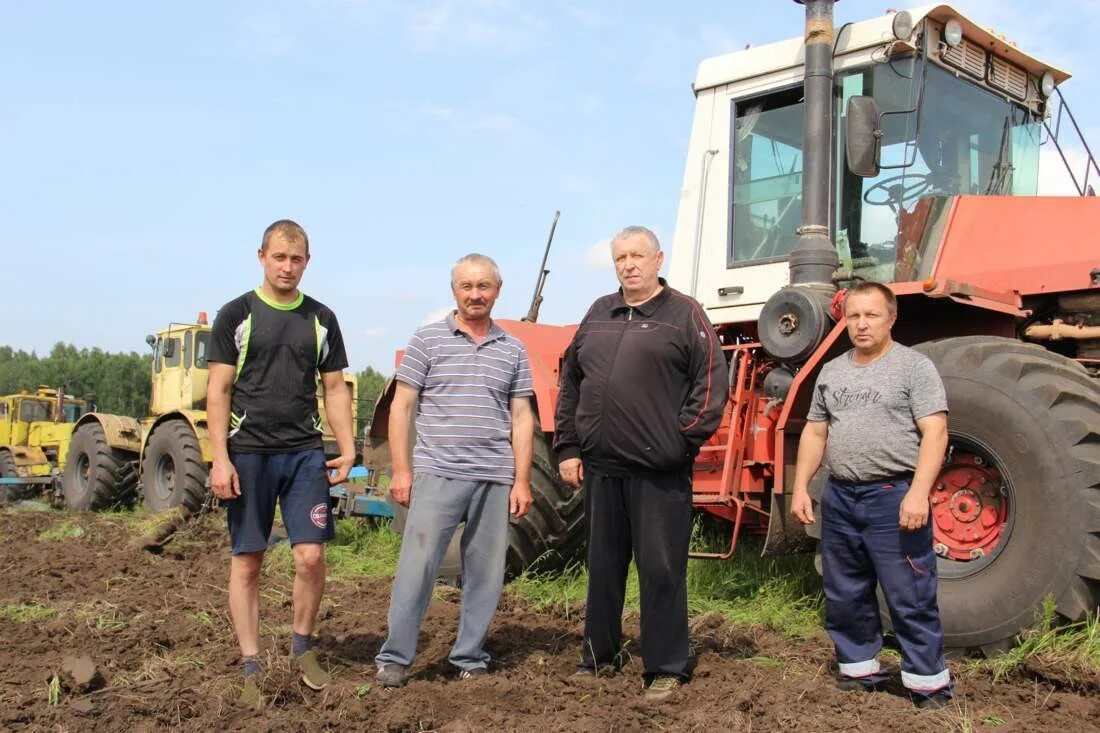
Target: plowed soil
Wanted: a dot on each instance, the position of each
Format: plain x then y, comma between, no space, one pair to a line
156,629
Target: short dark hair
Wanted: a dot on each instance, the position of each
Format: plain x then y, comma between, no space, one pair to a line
291,231
865,287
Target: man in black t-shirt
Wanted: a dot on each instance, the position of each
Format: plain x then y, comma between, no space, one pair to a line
266,350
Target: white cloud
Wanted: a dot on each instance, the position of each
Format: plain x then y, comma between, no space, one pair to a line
1055,179
268,35
471,121
481,24
436,315
442,113
598,256
496,122
585,15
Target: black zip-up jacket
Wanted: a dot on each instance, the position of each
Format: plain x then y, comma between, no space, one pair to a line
642,387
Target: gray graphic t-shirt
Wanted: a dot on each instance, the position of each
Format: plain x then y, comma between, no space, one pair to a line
872,411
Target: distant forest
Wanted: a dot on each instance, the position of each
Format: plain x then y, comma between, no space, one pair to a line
120,382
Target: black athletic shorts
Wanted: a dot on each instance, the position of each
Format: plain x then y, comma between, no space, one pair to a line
298,481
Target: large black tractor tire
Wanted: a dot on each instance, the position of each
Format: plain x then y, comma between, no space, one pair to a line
7,465
96,476
1032,419
173,473
551,534
7,470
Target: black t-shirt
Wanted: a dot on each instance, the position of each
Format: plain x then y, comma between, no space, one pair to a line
278,350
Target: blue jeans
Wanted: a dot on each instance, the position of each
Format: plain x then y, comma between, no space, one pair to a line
438,506
862,544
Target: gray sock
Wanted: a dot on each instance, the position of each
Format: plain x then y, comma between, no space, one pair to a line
251,665
299,644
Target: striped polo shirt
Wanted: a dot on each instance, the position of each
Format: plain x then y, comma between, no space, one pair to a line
464,417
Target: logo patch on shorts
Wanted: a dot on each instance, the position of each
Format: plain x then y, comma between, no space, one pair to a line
319,515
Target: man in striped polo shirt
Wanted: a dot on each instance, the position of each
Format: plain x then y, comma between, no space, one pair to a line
469,384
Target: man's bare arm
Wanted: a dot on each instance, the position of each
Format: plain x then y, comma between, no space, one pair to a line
523,439
219,388
811,449
401,416
338,413
933,445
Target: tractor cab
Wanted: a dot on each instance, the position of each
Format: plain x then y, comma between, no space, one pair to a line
926,105
179,367
18,412
47,405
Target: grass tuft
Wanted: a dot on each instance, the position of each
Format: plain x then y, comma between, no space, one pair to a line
53,691
361,549
66,530
1068,655
781,593
26,612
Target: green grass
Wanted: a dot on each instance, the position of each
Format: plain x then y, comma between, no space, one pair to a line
26,612
202,618
66,530
782,593
1071,651
53,691
361,549
562,591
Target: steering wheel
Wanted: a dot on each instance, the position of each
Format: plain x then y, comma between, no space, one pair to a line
896,190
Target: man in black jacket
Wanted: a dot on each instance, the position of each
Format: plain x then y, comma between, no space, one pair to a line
643,387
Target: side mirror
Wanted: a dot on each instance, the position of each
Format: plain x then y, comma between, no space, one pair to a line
863,136
169,348
151,340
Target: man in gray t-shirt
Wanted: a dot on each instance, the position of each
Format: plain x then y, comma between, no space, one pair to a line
878,418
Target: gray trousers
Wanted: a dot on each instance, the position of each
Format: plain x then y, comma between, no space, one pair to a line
438,506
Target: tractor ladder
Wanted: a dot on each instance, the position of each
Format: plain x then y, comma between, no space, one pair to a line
1059,113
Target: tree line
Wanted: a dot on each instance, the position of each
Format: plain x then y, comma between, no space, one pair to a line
120,383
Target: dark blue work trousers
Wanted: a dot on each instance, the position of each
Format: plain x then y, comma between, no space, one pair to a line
862,544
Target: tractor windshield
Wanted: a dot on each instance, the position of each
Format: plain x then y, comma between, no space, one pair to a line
73,411
35,410
942,136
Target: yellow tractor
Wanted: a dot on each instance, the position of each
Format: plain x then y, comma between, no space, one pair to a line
170,445
35,430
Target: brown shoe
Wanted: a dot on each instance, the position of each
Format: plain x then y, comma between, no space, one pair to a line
313,676
662,687
250,694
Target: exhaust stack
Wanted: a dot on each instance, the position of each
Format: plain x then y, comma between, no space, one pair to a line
814,258
795,320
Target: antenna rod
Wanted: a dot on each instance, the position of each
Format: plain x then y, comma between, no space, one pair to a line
536,302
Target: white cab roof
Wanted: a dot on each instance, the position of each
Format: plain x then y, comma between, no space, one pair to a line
732,67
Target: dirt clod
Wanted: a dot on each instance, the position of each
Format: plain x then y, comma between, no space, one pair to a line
81,673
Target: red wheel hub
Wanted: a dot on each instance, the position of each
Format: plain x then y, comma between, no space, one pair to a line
969,508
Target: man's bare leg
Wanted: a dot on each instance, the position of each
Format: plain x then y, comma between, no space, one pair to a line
244,600
309,584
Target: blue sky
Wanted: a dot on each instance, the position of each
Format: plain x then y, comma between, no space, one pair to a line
145,145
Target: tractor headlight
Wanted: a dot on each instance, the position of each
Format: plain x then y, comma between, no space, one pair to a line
953,33
1046,84
903,25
